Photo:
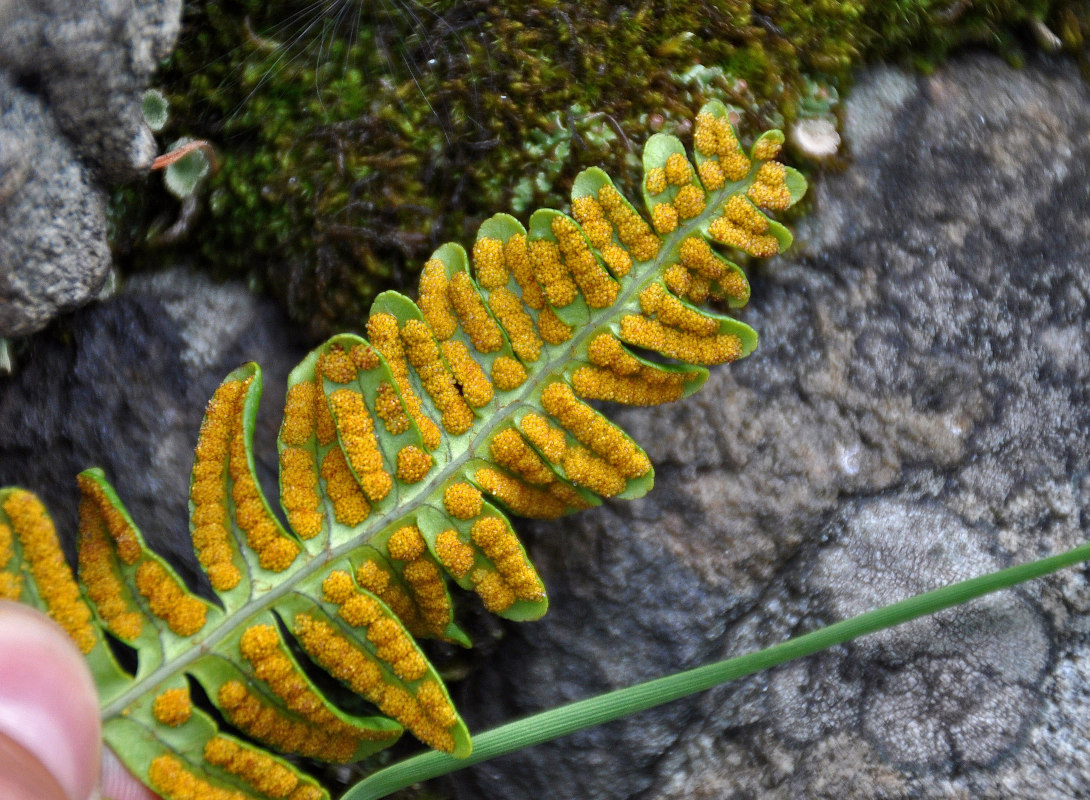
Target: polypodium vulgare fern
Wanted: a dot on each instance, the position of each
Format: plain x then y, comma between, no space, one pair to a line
397,454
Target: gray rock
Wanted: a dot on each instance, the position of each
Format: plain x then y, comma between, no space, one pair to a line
917,413
72,77
53,251
92,61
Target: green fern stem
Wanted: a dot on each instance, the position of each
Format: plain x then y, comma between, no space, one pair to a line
582,714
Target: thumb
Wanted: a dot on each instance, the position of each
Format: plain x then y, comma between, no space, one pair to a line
50,729
50,733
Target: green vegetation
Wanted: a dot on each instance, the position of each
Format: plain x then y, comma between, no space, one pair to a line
354,137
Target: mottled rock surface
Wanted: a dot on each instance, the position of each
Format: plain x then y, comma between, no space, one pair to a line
72,77
917,413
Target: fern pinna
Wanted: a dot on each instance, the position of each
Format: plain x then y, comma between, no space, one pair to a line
399,454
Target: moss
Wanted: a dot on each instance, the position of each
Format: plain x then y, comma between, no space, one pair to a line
356,136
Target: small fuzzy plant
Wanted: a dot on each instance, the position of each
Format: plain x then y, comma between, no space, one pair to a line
400,456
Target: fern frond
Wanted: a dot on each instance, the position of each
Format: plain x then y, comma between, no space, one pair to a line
400,455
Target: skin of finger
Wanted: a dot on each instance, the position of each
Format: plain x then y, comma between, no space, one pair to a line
48,703
24,777
118,783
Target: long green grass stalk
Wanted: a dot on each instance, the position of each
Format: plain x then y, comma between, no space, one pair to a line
555,723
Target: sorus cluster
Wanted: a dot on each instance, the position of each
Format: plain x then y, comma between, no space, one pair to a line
423,353
744,227
519,496
336,365
631,228
553,329
514,578
477,323
275,550
413,464
516,254
510,451
434,301
508,373
657,301
453,553
475,386
168,600
553,275
654,335
424,579
208,491
98,572
388,408
714,139
364,357
172,707
649,386
429,715
299,414
428,588
462,501
357,433
173,779
306,415
252,715
769,188
121,531
489,265
446,303
595,431
299,491
701,272
581,467
688,199
585,469
11,583
52,576
258,770
379,580
350,506
360,610
509,310
324,426
598,288
591,217
383,333
262,647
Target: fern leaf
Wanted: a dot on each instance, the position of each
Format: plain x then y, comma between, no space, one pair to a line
400,456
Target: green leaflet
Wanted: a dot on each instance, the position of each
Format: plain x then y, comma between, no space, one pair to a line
400,455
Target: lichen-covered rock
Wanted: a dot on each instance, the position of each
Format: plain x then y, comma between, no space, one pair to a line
53,252
92,62
917,414
72,77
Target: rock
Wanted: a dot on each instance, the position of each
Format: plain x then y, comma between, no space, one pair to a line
72,77
92,62
123,385
53,254
917,413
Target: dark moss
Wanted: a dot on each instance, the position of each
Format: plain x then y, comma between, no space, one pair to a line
355,136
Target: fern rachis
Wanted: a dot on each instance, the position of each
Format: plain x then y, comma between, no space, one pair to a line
396,452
